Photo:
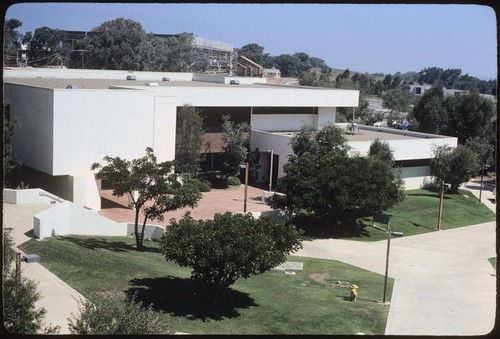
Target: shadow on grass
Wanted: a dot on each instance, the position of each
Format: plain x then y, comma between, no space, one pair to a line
430,195
348,298
420,225
95,243
323,227
180,297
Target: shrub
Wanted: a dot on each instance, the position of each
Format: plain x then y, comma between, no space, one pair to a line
201,185
112,316
233,181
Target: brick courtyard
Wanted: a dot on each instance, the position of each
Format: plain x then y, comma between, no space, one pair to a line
215,201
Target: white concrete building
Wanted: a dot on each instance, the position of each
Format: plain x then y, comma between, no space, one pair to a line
70,119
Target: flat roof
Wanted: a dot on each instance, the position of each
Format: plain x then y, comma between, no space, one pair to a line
60,83
368,133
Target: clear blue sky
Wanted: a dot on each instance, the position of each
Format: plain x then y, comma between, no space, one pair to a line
363,37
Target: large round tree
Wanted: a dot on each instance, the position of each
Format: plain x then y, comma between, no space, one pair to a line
229,247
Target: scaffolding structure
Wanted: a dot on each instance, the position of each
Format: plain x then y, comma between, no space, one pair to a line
220,55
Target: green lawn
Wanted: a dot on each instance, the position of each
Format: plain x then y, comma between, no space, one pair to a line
417,214
310,302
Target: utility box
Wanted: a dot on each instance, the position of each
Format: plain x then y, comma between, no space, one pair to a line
29,258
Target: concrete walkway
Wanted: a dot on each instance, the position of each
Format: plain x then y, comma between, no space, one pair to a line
444,284
487,196
57,297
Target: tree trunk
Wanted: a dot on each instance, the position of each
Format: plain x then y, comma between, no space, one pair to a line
219,294
441,197
142,232
138,243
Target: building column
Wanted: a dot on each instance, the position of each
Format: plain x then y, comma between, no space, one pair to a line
326,115
86,190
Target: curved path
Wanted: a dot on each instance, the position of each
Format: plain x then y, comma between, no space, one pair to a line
444,284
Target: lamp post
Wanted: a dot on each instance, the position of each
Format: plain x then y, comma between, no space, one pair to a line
271,151
245,166
387,258
385,219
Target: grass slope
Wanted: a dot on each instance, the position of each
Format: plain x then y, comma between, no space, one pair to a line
417,214
310,302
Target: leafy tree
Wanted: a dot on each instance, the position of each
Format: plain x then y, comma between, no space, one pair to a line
189,140
229,247
10,162
20,314
177,54
121,44
45,47
377,88
11,40
235,137
324,179
430,111
254,163
387,81
450,76
454,165
429,75
288,65
154,182
470,115
255,53
305,141
381,150
397,100
110,315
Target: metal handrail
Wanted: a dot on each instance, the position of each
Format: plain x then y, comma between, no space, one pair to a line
43,193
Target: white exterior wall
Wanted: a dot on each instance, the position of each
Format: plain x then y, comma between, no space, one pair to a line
29,196
280,144
224,79
407,149
90,124
86,190
281,122
33,139
416,177
326,115
92,74
264,96
68,218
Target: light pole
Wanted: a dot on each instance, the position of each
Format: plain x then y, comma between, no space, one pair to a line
246,186
387,257
385,219
271,151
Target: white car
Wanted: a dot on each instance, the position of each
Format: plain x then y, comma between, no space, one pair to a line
378,124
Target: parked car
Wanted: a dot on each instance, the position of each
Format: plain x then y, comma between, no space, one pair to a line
403,125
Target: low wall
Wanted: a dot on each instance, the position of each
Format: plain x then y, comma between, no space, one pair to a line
153,232
68,218
30,196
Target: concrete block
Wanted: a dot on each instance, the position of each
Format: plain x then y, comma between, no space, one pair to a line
29,258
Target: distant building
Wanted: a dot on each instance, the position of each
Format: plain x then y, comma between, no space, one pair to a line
248,68
419,90
271,73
